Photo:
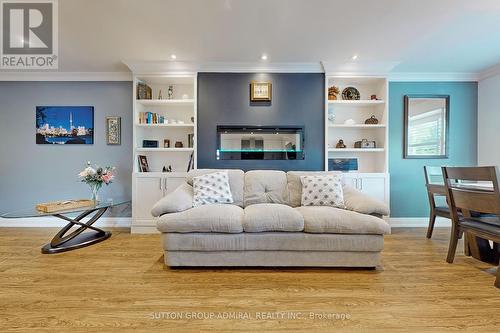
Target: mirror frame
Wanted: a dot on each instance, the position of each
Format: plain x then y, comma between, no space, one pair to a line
447,129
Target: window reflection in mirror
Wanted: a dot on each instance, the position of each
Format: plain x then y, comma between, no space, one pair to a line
426,126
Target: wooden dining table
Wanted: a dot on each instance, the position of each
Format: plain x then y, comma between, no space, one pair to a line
474,246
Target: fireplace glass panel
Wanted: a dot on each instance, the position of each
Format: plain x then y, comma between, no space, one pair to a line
260,143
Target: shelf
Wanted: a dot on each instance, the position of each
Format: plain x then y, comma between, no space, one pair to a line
357,126
160,102
165,125
155,174
177,150
357,150
358,102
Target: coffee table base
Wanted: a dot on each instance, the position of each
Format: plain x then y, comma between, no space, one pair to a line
77,239
83,240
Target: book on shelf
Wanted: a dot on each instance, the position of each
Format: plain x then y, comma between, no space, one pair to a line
144,91
151,118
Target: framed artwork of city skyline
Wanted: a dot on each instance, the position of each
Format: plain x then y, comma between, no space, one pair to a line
60,125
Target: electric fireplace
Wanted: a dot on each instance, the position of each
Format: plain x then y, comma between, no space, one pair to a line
260,143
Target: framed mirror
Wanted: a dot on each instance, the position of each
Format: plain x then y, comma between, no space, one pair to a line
426,120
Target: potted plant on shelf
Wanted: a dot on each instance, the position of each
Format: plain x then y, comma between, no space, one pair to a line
96,177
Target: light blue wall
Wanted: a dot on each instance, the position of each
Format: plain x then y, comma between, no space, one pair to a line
408,195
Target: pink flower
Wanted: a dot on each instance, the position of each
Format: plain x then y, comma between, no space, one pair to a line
107,178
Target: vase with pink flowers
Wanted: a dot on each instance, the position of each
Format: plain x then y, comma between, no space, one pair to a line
95,177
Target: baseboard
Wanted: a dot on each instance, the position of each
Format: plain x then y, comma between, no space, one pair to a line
144,230
125,222
417,222
54,222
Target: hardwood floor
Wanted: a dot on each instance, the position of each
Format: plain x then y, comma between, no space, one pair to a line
122,284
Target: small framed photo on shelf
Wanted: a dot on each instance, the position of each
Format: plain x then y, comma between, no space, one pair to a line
260,91
113,131
343,164
143,163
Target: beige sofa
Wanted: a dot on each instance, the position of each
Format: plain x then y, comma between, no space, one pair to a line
266,226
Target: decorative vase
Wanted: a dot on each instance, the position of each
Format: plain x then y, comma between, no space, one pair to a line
94,188
170,92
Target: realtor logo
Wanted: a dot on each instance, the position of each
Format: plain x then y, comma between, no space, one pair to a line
29,34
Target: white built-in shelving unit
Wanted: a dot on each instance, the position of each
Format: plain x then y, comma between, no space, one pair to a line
181,113
372,174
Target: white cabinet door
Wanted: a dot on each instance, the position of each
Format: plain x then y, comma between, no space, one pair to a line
148,191
351,180
373,186
171,183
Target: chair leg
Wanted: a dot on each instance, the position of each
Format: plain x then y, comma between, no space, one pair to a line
455,235
497,280
430,228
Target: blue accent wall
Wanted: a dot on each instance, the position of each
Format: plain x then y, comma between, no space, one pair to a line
31,173
408,194
298,99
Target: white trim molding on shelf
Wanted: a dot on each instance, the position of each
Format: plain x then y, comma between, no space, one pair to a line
357,126
169,150
357,102
163,125
65,76
159,102
356,150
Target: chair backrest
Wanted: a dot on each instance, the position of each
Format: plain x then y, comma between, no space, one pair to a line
433,175
434,182
472,189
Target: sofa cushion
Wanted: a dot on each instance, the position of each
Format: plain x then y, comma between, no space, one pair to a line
271,241
176,201
362,203
322,191
235,181
272,217
332,220
265,186
223,218
295,185
212,188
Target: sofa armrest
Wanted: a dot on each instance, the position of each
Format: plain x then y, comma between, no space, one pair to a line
176,201
360,202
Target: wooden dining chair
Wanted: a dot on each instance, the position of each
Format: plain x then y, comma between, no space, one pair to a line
467,197
435,188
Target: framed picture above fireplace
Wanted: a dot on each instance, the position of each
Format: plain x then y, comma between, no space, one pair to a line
260,143
260,91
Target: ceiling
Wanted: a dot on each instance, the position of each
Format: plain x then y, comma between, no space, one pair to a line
424,36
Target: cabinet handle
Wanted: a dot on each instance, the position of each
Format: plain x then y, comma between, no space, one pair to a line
165,185
361,184
161,184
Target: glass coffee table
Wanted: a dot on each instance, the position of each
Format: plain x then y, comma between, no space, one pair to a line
65,240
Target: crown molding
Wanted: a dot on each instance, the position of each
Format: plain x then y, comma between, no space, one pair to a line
184,67
359,68
432,77
65,76
488,72
158,67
